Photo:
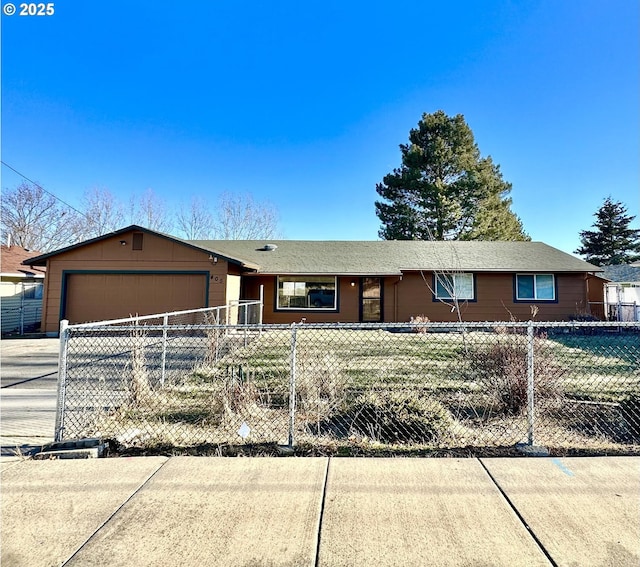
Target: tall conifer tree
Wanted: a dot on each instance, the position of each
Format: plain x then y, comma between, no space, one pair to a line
444,189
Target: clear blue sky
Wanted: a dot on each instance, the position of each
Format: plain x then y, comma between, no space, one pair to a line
304,104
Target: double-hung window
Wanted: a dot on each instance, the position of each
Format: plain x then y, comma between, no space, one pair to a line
450,287
535,287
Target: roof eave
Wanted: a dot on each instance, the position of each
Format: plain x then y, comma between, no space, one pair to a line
42,259
324,273
21,275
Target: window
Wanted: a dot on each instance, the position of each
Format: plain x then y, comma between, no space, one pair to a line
306,292
535,287
32,290
454,286
137,240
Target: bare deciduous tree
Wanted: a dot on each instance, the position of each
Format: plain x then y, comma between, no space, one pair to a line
239,217
196,222
102,211
35,220
150,211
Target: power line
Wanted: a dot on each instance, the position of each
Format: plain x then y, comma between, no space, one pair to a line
42,188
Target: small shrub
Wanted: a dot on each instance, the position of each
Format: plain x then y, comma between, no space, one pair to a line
502,368
399,417
421,323
584,318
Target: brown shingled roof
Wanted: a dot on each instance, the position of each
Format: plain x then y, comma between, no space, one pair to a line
11,258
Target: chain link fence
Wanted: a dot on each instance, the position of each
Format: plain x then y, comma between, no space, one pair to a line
345,389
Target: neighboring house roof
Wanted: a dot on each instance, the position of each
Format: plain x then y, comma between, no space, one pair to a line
11,262
622,273
392,257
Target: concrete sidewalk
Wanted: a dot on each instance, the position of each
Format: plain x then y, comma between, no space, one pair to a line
317,511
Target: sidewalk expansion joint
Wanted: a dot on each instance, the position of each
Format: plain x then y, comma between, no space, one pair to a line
321,515
103,524
519,515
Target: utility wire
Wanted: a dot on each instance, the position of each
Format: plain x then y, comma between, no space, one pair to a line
42,188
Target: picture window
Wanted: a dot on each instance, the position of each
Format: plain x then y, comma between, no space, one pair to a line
307,292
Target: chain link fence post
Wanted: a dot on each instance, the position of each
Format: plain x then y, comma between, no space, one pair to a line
22,310
261,305
62,379
245,322
165,325
530,384
292,384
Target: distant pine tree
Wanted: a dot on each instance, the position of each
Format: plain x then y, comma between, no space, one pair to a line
612,242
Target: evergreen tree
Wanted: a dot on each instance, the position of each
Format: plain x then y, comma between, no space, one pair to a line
612,241
444,189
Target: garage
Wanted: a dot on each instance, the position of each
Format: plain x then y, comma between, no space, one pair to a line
98,296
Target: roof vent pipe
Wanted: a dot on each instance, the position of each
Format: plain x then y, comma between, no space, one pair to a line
269,247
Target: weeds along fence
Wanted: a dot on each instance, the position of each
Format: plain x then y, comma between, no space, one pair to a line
353,389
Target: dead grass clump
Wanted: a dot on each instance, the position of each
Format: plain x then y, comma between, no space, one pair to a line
214,335
502,368
320,381
137,383
399,417
237,395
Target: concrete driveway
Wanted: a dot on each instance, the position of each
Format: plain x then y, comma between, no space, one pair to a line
29,375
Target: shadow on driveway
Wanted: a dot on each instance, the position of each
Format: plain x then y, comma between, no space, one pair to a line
28,394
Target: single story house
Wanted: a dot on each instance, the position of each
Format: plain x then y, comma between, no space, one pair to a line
21,290
139,271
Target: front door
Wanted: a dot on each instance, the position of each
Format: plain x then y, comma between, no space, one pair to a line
371,300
